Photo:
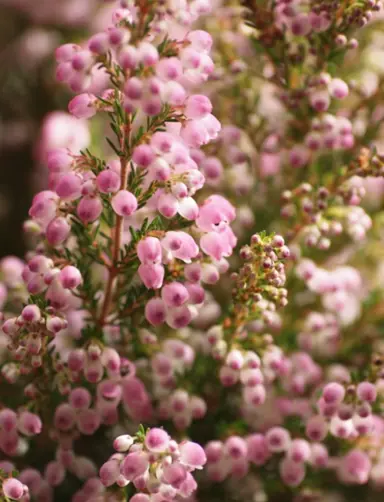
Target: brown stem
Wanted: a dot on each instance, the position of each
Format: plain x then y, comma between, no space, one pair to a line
117,234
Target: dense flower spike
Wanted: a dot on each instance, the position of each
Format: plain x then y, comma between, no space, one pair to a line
208,266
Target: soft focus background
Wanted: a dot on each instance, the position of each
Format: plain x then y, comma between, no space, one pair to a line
29,33
34,119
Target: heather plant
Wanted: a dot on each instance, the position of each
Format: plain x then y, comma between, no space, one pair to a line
199,316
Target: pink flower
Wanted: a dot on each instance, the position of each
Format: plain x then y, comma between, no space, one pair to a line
149,250
54,473
108,181
143,155
338,88
89,209
174,294
292,473
180,245
152,275
134,465
278,439
257,449
169,69
333,393
13,489
57,231
366,391
83,106
155,311
109,472
192,455
8,420
70,277
197,106
157,440
355,468
29,423
175,474
124,203
215,213
218,244
179,317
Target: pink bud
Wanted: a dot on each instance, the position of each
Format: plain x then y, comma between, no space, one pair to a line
143,155
54,473
29,423
197,106
64,417
319,455
155,312
366,391
192,455
99,43
66,52
8,420
175,474
152,275
255,396
174,294
355,467
167,205
157,440
88,421
57,231
149,250
128,57
214,451
110,358
148,54
278,439
82,60
31,313
133,88
169,68
333,393
83,106
69,186
179,317
89,209
59,160
235,359
109,472
196,293
123,443
292,473
70,277
108,181
76,359
300,25
257,447
316,428
200,40
124,203
134,465
338,88
64,71
236,447
299,450
80,398
13,489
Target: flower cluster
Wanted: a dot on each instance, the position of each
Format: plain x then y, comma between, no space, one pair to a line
205,260
155,464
